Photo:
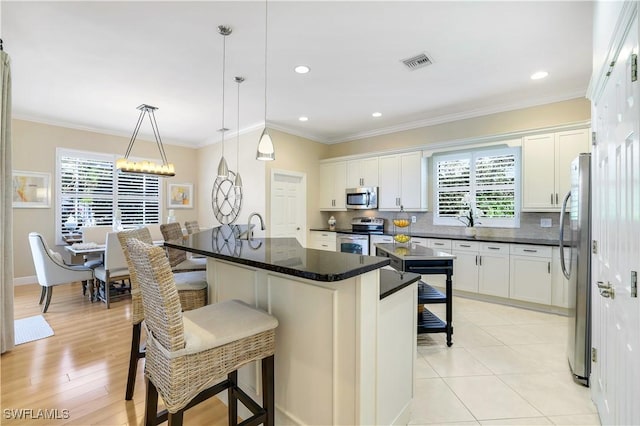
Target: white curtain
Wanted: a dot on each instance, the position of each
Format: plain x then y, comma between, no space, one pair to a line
6,209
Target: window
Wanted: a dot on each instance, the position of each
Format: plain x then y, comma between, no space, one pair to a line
89,189
487,182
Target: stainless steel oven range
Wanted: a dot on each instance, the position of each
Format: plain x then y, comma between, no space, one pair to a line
358,240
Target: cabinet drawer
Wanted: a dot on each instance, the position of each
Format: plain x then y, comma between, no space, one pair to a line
465,245
497,248
527,250
439,244
423,242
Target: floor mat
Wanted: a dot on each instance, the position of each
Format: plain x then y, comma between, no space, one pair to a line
31,328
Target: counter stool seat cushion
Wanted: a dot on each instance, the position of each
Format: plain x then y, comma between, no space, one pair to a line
194,280
216,325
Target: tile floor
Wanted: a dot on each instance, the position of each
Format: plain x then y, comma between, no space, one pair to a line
507,366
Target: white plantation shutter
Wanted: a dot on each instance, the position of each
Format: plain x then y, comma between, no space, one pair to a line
453,181
138,198
89,188
490,178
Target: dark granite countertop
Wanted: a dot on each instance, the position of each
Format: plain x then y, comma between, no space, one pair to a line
492,239
392,281
283,255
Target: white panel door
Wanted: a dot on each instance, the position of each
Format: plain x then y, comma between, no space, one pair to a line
288,213
616,227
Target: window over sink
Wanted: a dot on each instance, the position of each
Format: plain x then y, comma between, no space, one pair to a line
483,183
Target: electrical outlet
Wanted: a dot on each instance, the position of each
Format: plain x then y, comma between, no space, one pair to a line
413,219
545,222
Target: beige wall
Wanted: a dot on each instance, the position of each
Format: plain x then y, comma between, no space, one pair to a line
572,111
294,153
34,149
252,172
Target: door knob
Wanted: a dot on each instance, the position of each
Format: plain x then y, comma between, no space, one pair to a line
297,228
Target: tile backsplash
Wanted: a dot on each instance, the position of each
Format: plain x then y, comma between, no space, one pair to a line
529,224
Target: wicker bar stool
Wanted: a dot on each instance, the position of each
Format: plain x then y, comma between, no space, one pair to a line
178,258
192,290
189,353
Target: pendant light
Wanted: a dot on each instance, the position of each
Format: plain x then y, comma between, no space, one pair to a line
266,151
146,167
238,180
223,169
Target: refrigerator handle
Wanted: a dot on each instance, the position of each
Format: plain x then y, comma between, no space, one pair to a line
563,211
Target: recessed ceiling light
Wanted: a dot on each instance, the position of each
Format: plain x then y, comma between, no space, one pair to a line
376,114
303,118
538,75
302,69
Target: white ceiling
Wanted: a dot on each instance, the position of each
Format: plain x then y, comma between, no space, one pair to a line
89,64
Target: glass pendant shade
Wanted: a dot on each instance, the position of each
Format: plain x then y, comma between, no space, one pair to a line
265,147
223,169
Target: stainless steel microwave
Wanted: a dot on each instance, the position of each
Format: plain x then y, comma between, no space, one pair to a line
362,198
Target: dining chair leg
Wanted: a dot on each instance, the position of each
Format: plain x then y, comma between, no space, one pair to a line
268,391
232,398
107,280
43,291
150,404
175,419
48,300
133,361
84,287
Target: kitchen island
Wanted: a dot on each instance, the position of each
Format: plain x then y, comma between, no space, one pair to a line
344,354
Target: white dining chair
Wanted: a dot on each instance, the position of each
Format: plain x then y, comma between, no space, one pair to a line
51,269
94,234
113,269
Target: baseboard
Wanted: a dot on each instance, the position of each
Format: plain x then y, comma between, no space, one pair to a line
25,280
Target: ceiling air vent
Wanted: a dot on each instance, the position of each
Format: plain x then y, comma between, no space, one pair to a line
418,61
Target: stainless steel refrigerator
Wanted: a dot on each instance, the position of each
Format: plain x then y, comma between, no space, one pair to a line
575,242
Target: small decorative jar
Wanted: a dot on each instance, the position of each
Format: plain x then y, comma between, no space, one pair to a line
332,223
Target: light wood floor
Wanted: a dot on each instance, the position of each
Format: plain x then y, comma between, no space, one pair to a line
82,368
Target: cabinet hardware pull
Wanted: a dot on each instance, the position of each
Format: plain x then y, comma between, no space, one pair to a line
476,259
548,267
552,198
556,198
530,251
465,245
493,248
480,259
438,244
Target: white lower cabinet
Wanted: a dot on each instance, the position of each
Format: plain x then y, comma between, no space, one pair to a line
322,240
374,239
465,265
493,271
530,278
481,267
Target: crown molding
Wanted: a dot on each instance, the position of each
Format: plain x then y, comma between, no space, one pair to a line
75,126
447,118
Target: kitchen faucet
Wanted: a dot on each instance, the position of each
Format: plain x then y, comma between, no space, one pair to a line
262,227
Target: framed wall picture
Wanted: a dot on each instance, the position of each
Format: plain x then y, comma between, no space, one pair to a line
31,190
180,196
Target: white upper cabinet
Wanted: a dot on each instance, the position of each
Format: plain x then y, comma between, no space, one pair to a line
363,172
333,180
546,164
402,182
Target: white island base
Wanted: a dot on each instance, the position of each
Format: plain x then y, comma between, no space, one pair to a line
343,356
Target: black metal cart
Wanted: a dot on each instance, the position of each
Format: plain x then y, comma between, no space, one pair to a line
425,261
